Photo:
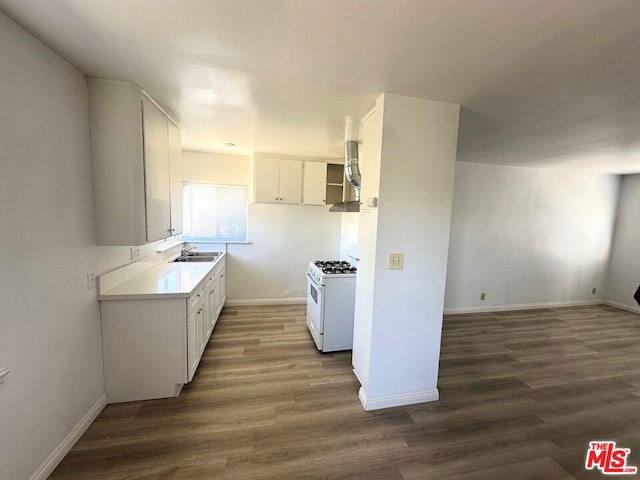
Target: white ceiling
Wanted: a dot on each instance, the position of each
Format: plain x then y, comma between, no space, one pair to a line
541,83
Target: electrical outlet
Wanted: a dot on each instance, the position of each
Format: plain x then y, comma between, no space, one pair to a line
482,295
91,281
396,261
593,291
135,253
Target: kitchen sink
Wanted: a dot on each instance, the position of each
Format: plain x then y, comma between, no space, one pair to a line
202,254
196,258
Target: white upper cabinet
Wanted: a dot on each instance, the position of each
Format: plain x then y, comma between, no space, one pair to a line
156,172
278,180
297,180
136,155
267,180
315,183
175,178
290,181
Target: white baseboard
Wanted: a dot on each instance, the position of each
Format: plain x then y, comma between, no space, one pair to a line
622,306
51,462
521,306
398,400
265,301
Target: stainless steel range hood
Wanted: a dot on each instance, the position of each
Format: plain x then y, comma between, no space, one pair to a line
352,173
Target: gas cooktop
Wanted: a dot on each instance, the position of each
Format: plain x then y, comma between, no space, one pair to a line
335,267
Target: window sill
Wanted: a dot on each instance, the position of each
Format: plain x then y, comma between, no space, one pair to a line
215,242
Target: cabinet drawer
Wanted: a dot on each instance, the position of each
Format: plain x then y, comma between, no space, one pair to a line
195,299
209,279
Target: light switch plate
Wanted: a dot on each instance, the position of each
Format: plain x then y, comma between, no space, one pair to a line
396,261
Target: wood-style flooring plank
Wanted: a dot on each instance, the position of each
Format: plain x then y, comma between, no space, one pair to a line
521,395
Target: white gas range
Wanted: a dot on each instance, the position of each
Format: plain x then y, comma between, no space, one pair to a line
331,292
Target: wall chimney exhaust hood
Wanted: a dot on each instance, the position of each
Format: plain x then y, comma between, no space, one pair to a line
352,173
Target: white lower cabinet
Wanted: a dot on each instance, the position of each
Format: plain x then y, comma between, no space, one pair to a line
197,333
152,347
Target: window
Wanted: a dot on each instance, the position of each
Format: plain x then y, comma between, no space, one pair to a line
216,213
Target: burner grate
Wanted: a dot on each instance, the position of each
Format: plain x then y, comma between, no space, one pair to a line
335,267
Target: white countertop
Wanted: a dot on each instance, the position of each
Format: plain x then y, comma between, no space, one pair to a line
167,280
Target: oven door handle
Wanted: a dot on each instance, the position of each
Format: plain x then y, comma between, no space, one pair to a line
313,281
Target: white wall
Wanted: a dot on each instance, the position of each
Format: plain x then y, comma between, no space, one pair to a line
399,312
283,238
369,163
349,228
50,324
528,236
624,267
219,168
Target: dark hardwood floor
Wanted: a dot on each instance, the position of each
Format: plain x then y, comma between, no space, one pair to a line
522,394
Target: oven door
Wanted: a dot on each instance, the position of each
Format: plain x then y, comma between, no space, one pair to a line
315,303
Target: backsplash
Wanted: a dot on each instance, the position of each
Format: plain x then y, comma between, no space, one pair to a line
110,258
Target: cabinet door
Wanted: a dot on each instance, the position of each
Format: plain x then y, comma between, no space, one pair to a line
156,172
213,308
115,118
267,179
175,178
290,181
207,318
194,341
218,293
315,183
223,288
201,331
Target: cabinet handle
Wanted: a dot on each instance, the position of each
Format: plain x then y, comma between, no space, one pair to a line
200,311
198,295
